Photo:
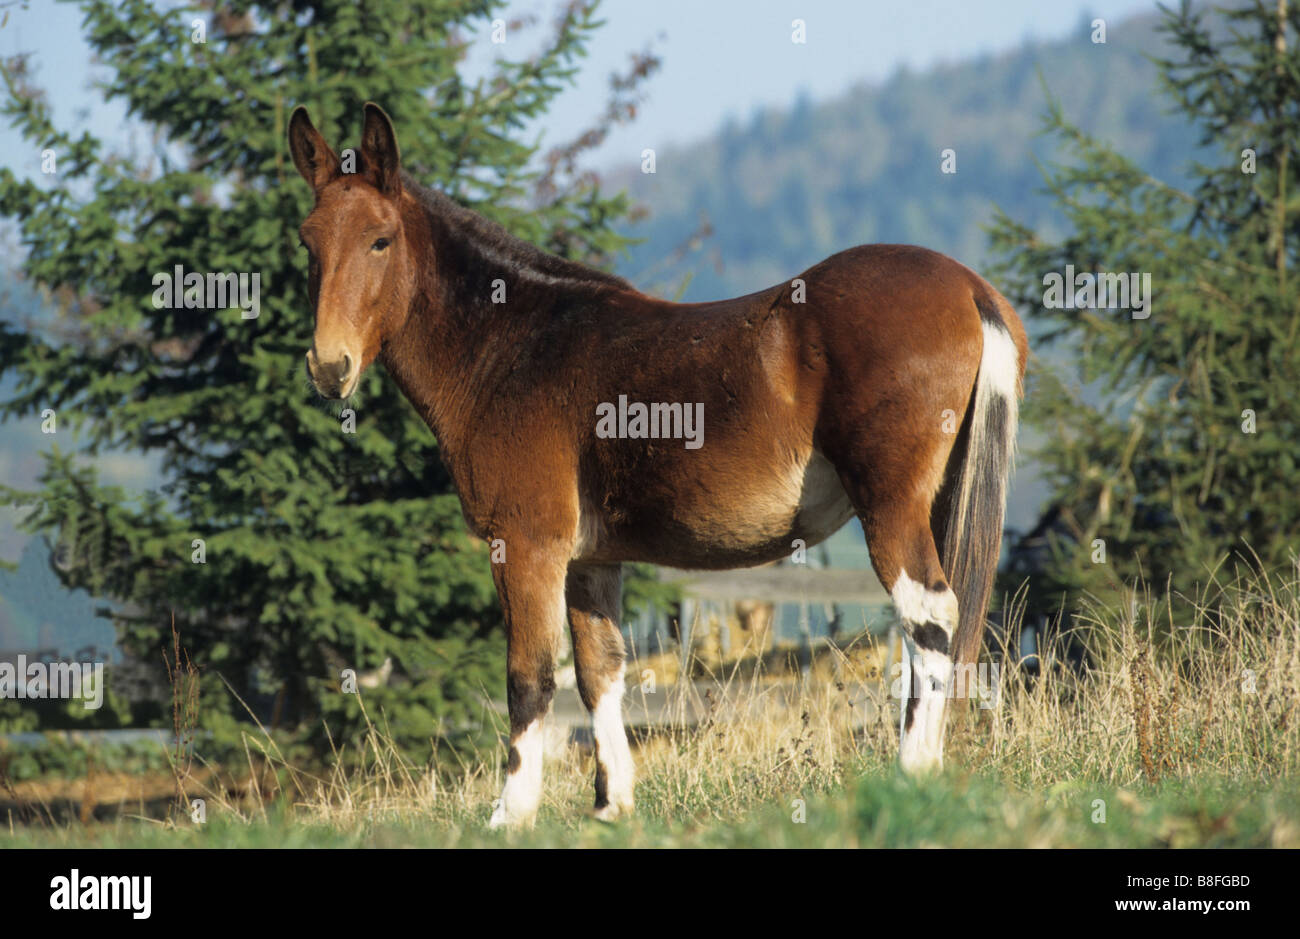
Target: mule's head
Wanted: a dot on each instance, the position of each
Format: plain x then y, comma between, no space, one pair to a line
361,269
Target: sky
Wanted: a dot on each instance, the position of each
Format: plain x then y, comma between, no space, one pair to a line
721,58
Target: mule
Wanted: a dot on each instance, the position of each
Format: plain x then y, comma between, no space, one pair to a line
882,383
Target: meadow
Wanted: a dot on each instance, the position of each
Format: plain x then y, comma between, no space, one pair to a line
1177,728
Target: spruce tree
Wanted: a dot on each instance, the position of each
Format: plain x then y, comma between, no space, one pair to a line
289,538
1171,443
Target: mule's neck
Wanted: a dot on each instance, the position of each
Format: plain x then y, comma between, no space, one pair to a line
482,299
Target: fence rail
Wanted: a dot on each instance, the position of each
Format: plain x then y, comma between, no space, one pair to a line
792,584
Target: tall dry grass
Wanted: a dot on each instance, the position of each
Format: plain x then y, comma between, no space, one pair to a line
1137,691
1170,687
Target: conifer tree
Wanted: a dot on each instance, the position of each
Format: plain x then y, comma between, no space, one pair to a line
290,539
1170,436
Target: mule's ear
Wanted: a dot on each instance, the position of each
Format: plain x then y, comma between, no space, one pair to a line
379,152
317,163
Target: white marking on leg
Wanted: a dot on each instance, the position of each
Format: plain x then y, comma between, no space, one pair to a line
921,745
612,750
920,748
522,793
919,605
905,676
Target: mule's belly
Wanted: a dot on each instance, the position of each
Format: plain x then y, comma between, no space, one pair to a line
823,506
716,524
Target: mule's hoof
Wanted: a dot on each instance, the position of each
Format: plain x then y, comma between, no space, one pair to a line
918,766
501,820
611,813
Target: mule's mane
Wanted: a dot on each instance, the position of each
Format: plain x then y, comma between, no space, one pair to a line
495,246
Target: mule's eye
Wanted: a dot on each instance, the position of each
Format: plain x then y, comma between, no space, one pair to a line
379,245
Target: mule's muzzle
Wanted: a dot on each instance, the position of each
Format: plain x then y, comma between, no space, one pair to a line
335,379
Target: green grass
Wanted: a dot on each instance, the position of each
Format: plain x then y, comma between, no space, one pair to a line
882,810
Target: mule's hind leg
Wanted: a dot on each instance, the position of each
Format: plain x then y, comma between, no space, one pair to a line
904,555
531,587
594,596
906,560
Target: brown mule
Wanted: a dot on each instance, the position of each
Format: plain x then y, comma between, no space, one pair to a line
586,424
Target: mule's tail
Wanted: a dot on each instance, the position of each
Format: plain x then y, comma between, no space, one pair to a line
976,484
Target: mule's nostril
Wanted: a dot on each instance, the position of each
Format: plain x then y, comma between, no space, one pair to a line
332,376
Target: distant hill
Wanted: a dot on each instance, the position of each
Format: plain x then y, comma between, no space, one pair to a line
788,187
38,613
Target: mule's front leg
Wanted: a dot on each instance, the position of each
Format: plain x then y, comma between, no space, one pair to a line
594,595
530,584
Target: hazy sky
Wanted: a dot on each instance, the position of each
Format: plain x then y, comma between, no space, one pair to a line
721,57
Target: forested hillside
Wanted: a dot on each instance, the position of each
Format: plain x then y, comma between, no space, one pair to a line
783,189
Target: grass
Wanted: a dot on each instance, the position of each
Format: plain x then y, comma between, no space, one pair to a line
1181,732
875,811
